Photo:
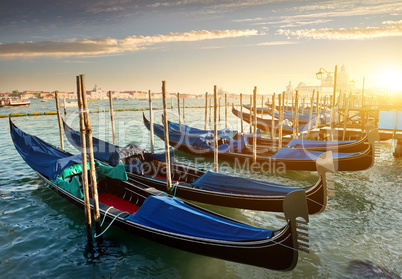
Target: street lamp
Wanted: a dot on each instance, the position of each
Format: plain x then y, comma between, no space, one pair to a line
320,74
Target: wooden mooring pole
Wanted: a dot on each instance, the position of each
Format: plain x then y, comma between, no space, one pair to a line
281,104
273,117
111,116
251,114
296,118
219,109
65,107
317,110
346,115
262,106
151,121
178,110
332,113
363,112
241,113
254,124
206,110
216,162
310,124
184,115
210,110
226,111
166,128
59,119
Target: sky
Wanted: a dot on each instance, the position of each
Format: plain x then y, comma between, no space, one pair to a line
195,44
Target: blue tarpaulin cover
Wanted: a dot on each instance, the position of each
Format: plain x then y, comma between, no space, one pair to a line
173,215
199,132
237,145
290,153
238,185
183,138
302,143
101,148
389,120
103,151
42,156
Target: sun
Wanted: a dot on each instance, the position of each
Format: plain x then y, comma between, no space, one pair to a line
391,78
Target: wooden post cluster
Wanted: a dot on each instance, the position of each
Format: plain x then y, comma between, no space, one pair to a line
87,203
87,149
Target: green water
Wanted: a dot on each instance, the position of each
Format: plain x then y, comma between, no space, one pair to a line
43,236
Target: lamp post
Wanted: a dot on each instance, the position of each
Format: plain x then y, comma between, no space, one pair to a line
321,72
320,76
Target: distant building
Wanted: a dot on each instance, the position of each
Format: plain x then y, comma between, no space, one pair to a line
343,84
97,93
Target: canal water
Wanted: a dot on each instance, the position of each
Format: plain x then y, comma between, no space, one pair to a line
43,236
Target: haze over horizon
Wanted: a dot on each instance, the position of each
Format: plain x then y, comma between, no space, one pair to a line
196,44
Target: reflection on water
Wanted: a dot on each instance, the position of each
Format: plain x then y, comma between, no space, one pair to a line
44,236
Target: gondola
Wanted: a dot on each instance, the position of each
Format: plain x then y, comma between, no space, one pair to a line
199,132
348,146
304,118
209,187
159,217
266,124
284,159
258,109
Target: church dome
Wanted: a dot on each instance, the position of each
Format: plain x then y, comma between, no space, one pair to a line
343,76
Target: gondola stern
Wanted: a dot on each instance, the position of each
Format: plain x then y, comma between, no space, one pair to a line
325,163
295,206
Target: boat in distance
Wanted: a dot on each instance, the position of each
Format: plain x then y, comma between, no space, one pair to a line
10,102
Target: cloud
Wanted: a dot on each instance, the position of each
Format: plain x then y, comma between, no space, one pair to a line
111,45
341,9
277,43
290,22
389,29
326,12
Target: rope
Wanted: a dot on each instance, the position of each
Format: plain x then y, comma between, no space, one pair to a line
82,111
104,217
174,188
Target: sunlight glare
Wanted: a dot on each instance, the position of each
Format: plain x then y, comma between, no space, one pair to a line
392,79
